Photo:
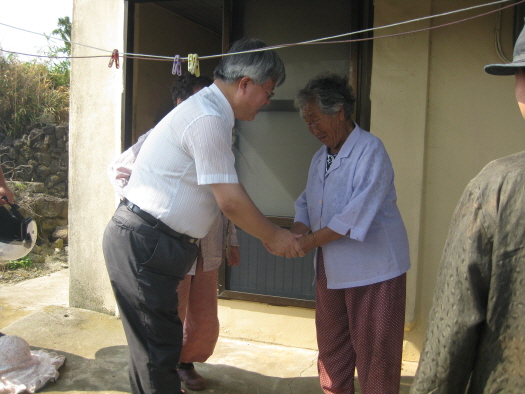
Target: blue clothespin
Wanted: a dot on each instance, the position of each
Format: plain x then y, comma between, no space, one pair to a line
177,66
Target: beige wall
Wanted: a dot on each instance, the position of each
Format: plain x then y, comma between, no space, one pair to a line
442,119
94,138
440,116
96,123
161,32
253,321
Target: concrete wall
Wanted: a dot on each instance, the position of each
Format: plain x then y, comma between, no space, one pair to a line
95,138
161,32
442,118
275,149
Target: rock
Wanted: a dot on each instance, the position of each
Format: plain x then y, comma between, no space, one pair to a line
59,190
61,131
46,206
24,173
42,172
51,181
37,258
64,161
61,232
8,140
54,166
25,152
62,175
23,188
61,143
36,135
49,129
47,251
7,152
32,163
43,158
18,143
51,140
58,245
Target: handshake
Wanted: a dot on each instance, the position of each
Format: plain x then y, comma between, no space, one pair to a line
288,244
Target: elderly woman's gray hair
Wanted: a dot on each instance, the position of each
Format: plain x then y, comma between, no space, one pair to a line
259,66
330,92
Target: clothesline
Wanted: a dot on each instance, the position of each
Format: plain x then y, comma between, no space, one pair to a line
318,41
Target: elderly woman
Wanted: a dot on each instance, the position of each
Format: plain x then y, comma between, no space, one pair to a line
348,213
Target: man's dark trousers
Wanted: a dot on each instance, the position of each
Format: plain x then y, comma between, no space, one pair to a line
145,267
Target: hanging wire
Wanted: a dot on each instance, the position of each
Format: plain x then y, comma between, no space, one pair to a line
320,40
53,57
53,38
323,40
497,38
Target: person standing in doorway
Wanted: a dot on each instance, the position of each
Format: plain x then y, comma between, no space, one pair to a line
349,216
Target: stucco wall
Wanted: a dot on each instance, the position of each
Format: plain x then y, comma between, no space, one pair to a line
160,32
95,135
442,119
440,116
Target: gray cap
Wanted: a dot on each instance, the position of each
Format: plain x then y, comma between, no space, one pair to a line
518,59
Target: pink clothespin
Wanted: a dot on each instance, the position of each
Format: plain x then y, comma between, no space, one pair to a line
114,59
177,66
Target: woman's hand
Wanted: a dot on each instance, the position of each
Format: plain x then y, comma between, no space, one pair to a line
234,258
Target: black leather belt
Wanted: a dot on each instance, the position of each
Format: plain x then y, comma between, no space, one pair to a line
148,218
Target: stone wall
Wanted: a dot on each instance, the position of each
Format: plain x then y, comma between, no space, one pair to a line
41,155
36,168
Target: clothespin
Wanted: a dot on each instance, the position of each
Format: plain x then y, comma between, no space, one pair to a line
114,59
191,67
177,66
193,64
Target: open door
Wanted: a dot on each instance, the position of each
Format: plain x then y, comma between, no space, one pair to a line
273,152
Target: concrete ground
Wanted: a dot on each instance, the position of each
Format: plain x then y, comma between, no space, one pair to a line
96,352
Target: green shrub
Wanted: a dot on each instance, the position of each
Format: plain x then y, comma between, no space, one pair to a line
29,91
24,263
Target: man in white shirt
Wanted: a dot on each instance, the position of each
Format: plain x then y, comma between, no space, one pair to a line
183,177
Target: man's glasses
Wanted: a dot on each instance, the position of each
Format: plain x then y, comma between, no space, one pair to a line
270,95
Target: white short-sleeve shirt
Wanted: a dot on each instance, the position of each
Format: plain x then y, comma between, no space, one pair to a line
188,150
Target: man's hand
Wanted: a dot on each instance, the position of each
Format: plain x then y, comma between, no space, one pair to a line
284,243
5,191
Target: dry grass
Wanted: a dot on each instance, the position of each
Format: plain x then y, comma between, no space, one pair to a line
28,92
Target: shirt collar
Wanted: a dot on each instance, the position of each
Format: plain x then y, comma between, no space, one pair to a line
224,103
350,141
